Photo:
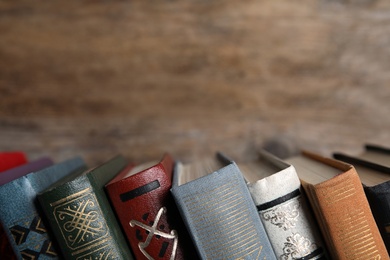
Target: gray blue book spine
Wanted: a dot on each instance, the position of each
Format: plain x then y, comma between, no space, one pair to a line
19,213
221,216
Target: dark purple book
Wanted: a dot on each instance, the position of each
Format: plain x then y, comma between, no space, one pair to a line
17,172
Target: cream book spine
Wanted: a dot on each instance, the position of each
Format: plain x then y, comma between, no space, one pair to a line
284,210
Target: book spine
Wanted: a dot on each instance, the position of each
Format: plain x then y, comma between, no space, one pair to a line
23,224
149,216
346,218
221,217
78,223
291,227
81,216
286,214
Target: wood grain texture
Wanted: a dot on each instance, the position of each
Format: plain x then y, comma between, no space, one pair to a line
95,78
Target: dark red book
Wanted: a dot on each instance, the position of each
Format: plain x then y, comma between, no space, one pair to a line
147,212
10,160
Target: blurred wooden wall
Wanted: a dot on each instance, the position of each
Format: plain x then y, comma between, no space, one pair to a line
96,78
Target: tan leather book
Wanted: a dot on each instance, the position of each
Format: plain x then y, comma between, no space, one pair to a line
337,197
373,167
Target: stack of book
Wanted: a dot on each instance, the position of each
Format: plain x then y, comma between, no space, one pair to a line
303,207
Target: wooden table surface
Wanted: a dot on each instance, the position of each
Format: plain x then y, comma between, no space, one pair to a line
97,78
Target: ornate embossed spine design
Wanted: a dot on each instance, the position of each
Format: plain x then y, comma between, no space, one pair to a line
80,224
285,216
78,217
32,227
297,247
153,231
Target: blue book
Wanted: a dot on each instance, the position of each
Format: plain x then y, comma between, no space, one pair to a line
218,210
20,214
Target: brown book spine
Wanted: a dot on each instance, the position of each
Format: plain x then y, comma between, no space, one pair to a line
345,218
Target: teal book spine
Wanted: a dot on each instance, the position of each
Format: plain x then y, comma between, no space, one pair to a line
221,216
81,217
20,213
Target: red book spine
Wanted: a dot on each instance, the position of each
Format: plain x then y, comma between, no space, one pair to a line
10,160
148,214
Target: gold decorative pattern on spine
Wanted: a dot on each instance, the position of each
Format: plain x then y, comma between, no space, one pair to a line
85,233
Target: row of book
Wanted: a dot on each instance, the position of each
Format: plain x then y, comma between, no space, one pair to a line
304,207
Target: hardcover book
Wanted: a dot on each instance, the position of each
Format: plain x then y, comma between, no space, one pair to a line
218,210
81,217
336,194
8,249
20,214
283,208
144,205
10,160
373,170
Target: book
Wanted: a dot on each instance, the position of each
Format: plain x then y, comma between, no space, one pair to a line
12,159
336,194
218,210
17,172
144,205
8,250
81,217
283,208
20,214
373,168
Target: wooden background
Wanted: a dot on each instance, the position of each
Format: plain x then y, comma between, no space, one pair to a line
97,78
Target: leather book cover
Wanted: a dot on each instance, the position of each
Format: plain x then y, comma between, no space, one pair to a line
81,217
10,160
143,203
283,208
375,177
342,209
20,214
9,175
219,212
